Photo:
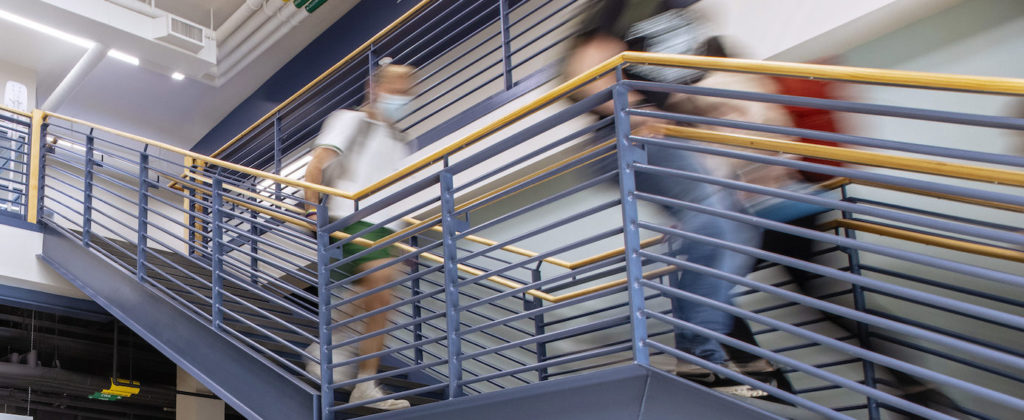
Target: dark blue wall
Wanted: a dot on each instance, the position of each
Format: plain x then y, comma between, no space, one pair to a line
357,26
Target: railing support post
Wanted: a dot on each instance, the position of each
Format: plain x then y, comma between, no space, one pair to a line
863,337
629,154
90,152
506,47
35,166
451,284
323,276
531,303
417,307
143,215
216,249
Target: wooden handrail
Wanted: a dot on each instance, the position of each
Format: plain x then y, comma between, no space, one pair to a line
348,58
926,239
927,166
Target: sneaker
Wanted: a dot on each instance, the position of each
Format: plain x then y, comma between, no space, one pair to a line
707,378
695,373
369,390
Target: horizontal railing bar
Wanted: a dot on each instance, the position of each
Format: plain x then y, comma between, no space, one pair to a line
933,214
884,110
549,363
863,157
980,84
808,369
944,196
971,270
316,82
851,349
546,337
952,287
945,355
281,362
927,239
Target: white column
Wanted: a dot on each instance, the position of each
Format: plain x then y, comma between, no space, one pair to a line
196,408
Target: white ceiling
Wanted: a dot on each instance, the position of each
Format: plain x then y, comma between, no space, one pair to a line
147,102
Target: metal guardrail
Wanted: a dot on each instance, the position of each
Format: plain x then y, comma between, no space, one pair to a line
467,51
15,135
510,273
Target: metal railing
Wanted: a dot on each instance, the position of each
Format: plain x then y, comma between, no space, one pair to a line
472,56
530,251
15,134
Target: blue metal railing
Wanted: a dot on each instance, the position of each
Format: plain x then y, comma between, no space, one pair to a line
473,56
531,252
15,132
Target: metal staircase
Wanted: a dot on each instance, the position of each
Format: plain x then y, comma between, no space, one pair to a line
534,273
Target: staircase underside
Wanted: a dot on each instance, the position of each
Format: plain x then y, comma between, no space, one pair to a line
226,367
622,393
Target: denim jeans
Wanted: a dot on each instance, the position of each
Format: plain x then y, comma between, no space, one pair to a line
706,255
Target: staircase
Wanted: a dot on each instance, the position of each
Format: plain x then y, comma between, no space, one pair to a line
534,275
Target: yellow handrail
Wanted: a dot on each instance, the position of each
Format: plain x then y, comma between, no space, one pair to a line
986,203
926,239
351,56
15,111
982,84
928,166
198,158
916,79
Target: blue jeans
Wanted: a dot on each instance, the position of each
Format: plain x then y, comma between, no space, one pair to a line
706,255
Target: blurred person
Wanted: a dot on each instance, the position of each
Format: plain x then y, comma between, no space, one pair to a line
354,149
669,26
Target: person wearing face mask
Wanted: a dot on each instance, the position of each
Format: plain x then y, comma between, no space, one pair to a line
354,149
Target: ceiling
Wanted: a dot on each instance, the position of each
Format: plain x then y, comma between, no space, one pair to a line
143,99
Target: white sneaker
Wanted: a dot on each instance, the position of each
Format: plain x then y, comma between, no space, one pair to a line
369,390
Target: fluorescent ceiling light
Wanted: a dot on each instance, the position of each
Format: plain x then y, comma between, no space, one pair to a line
178,76
57,33
82,42
123,57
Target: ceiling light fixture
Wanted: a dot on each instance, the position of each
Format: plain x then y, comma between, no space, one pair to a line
57,33
130,59
178,76
82,42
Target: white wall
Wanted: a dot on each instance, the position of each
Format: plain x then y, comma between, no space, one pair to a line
19,266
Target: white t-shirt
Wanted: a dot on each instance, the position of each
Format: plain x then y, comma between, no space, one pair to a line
368,150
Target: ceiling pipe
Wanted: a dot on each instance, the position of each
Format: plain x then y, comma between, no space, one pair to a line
73,80
258,42
241,15
297,17
257,21
139,7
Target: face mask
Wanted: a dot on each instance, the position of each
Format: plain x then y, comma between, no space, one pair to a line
392,107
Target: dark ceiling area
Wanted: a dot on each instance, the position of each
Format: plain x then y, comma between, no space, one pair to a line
50,364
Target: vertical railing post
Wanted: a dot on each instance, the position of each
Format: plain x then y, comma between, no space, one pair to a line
323,261
143,216
417,307
277,155
863,338
216,249
90,152
191,207
35,167
506,47
530,303
629,154
451,284
254,247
